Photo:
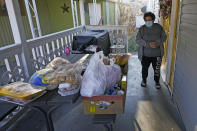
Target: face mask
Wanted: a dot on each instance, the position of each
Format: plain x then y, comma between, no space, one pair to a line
149,23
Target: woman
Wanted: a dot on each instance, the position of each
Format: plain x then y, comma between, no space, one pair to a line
150,38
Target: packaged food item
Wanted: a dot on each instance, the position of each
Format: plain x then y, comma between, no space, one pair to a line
120,92
121,59
58,61
21,90
124,69
111,91
106,61
39,78
66,89
69,73
123,82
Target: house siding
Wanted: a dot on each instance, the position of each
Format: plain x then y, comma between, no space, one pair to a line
185,76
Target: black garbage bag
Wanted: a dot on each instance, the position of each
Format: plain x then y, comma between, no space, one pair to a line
92,37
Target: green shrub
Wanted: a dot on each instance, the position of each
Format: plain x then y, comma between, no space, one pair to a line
133,47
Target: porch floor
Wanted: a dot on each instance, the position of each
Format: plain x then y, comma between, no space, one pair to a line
147,109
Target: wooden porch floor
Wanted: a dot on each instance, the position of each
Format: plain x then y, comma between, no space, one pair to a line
146,110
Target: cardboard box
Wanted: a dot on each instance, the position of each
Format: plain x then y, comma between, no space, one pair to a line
106,104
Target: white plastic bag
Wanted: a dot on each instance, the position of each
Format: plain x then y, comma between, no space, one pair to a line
113,75
94,79
99,76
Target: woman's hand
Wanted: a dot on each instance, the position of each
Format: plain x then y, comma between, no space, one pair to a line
153,44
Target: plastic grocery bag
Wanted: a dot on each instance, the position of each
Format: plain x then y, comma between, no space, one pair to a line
94,79
99,76
70,73
113,75
58,61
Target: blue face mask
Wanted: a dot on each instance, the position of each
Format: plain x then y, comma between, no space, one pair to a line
149,23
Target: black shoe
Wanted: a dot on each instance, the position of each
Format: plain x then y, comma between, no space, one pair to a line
157,86
143,83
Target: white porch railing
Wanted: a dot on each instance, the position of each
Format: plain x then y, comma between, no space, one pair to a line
40,51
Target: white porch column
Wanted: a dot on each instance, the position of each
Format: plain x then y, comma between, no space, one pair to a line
30,19
37,18
15,20
76,13
95,10
116,13
96,18
107,13
17,28
82,12
73,13
33,27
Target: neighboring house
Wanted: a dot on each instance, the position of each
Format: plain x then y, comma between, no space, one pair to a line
105,12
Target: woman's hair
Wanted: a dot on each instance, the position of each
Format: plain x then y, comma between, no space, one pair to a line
149,14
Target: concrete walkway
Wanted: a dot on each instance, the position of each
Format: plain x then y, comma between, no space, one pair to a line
147,109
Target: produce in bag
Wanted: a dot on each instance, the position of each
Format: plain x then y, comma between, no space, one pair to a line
99,76
69,73
58,61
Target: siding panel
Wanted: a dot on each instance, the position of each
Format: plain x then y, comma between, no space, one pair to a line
185,76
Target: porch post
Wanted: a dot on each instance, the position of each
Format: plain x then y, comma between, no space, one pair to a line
94,5
107,13
37,18
30,19
18,29
82,12
15,18
96,18
116,12
73,13
76,13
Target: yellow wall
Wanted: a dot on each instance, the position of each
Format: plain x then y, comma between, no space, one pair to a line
59,20
166,26
174,45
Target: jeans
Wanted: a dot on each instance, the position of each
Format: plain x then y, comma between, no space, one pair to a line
156,63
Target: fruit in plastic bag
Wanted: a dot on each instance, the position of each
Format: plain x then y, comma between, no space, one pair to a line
69,73
58,61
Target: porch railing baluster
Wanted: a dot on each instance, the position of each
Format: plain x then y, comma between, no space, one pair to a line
34,54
